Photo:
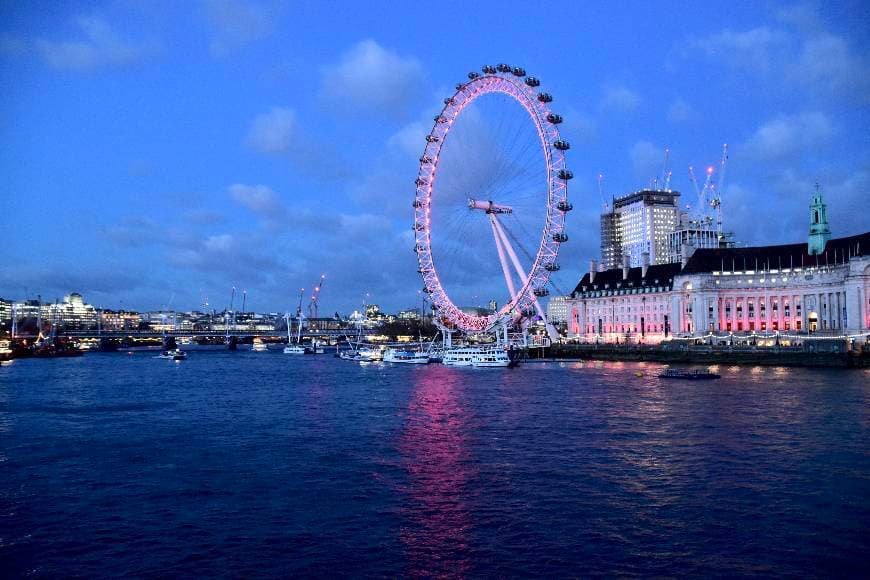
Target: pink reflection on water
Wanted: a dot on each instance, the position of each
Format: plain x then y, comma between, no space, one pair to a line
433,451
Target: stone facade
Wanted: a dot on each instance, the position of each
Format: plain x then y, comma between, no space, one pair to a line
765,290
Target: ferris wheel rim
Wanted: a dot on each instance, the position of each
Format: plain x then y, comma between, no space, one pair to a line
552,235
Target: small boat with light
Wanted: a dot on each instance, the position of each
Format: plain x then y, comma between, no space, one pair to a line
173,354
689,375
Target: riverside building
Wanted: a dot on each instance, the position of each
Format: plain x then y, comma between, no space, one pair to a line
639,223
819,288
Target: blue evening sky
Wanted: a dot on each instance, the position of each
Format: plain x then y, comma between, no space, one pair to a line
154,152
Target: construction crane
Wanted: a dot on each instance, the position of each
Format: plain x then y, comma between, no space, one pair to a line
604,203
315,297
666,175
299,306
716,202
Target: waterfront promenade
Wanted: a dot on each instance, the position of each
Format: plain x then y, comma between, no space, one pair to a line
829,355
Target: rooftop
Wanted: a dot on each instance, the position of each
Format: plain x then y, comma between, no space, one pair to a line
706,260
777,257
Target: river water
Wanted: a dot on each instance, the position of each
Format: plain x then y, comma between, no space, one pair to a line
264,464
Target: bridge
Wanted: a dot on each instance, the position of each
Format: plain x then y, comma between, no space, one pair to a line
95,334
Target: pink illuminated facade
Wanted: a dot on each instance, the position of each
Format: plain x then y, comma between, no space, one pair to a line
729,292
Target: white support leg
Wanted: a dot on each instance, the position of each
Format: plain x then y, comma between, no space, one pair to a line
554,336
501,257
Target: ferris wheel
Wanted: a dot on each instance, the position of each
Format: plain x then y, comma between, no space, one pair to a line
491,200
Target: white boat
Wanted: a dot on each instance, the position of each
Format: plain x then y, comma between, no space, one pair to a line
5,350
259,346
172,354
294,345
490,355
371,353
296,349
406,356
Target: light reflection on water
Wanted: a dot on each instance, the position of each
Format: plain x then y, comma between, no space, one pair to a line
433,452
320,467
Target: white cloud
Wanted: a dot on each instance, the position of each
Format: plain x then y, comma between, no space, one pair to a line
219,243
272,132
370,78
790,135
100,46
646,160
260,199
800,54
237,23
619,98
753,50
826,63
682,112
579,127
409,139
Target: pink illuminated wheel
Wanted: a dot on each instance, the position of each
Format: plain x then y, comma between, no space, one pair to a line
491,199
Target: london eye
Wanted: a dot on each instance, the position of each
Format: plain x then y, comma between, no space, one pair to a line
491,199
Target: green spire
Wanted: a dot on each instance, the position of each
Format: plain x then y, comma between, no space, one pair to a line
820,232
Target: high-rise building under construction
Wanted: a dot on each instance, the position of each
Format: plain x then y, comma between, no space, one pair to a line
639,224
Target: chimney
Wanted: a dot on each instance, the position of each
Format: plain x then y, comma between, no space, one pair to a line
593,267
626,264
686,252
645,265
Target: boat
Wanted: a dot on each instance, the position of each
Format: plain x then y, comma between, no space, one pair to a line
489,355
173,354
691,375
351,355
296,349
294,344
5,350
406,356
259,346
371,353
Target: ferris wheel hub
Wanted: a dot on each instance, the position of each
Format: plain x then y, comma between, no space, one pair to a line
489,206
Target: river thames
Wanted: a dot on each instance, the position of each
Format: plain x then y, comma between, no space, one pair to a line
263,464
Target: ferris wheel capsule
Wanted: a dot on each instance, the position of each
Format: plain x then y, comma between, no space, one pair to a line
533,82
504,68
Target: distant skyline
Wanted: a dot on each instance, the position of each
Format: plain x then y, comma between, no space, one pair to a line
156,152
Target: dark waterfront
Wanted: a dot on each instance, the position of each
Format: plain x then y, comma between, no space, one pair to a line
264,464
